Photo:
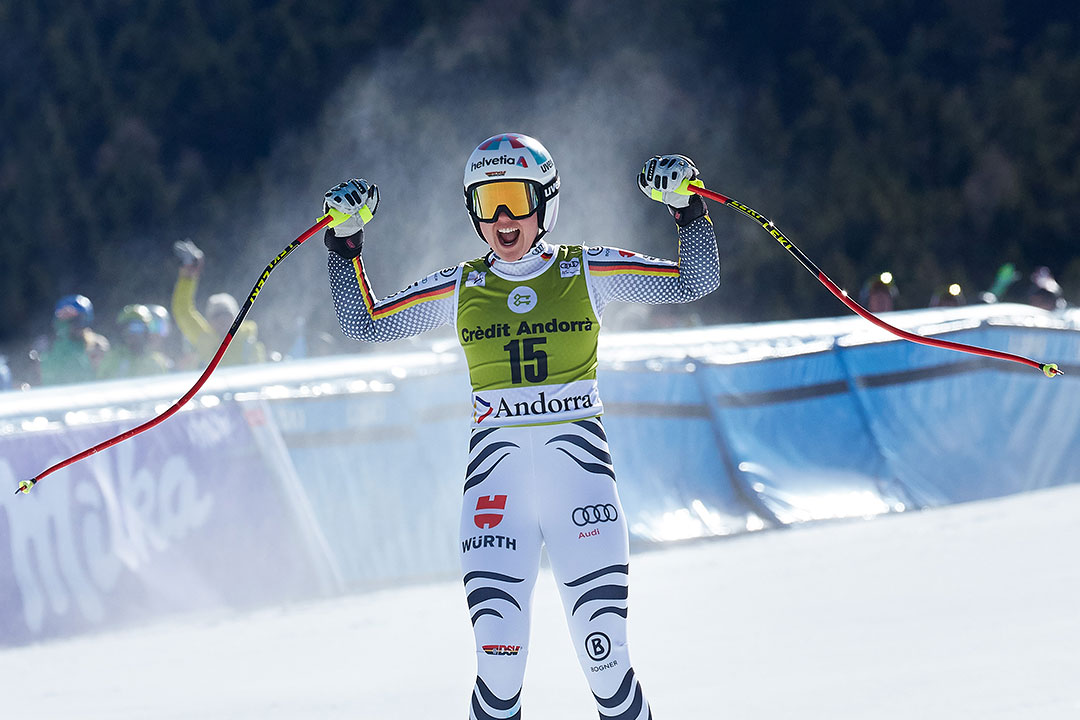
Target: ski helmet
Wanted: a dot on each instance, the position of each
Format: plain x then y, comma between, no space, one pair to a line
222,304
136,319
160,324
77,308
512,157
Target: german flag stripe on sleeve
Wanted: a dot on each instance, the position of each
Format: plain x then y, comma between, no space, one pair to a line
621,267
415,296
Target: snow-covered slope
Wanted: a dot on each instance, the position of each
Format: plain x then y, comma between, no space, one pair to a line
969,611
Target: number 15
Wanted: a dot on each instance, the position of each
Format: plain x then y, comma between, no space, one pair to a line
523,353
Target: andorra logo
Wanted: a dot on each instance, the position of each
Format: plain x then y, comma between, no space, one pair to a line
481,409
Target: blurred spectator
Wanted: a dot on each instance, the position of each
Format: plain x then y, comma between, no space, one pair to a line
1044,291
75,351
299,347
1005,278
312,337
5,374
160,332
952,296
205,333
879,293
132,355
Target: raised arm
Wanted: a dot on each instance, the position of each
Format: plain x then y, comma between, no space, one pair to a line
616,274
424,305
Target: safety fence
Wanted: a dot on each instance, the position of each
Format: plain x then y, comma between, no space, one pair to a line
308,478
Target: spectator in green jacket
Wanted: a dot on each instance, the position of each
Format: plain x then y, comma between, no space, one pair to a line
132,356
75,351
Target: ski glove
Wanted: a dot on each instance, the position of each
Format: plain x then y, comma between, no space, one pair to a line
188,252
665,178
351,205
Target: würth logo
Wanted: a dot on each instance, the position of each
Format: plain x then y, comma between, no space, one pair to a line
487,520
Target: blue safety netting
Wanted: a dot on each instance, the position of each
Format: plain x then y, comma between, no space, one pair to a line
345,473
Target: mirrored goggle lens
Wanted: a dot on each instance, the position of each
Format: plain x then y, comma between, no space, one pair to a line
519,198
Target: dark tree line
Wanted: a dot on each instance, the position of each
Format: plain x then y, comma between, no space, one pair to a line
935,140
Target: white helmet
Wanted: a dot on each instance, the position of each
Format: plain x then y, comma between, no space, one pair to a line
507,158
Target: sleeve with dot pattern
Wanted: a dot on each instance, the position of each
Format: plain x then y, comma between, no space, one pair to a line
422,306
616,274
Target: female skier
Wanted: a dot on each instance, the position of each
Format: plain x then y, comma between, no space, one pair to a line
527,315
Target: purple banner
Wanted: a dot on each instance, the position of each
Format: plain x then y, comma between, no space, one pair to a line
191,515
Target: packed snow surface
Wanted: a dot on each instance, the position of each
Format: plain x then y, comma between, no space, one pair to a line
968,611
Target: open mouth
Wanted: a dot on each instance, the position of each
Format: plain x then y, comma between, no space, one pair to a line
508,236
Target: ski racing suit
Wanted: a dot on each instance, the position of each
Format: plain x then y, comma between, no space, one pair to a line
539,470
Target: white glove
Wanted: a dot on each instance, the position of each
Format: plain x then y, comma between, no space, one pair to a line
188,252
351,205
665,178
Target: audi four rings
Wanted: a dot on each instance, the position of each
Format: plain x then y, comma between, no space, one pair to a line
590,514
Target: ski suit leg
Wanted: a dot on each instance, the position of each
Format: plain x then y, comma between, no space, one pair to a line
589,549
500,558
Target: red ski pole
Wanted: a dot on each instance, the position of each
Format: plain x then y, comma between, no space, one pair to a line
1049,369
25,485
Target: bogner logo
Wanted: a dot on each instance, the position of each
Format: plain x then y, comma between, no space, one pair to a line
475,278
501,160
598,645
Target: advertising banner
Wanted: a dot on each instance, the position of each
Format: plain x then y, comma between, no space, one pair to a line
188,516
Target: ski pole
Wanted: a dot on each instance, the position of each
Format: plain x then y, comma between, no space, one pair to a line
1049,369
25,485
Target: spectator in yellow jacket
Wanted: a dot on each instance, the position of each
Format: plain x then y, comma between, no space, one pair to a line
205,332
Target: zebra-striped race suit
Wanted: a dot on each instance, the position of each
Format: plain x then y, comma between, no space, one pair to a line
532,485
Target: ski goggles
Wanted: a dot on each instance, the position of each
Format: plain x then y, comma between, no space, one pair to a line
518,198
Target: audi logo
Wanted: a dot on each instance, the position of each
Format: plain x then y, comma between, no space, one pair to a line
591,514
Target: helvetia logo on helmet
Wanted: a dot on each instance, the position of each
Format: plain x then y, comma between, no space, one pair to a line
493,143
501,160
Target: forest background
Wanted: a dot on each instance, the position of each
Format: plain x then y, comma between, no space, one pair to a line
934,140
